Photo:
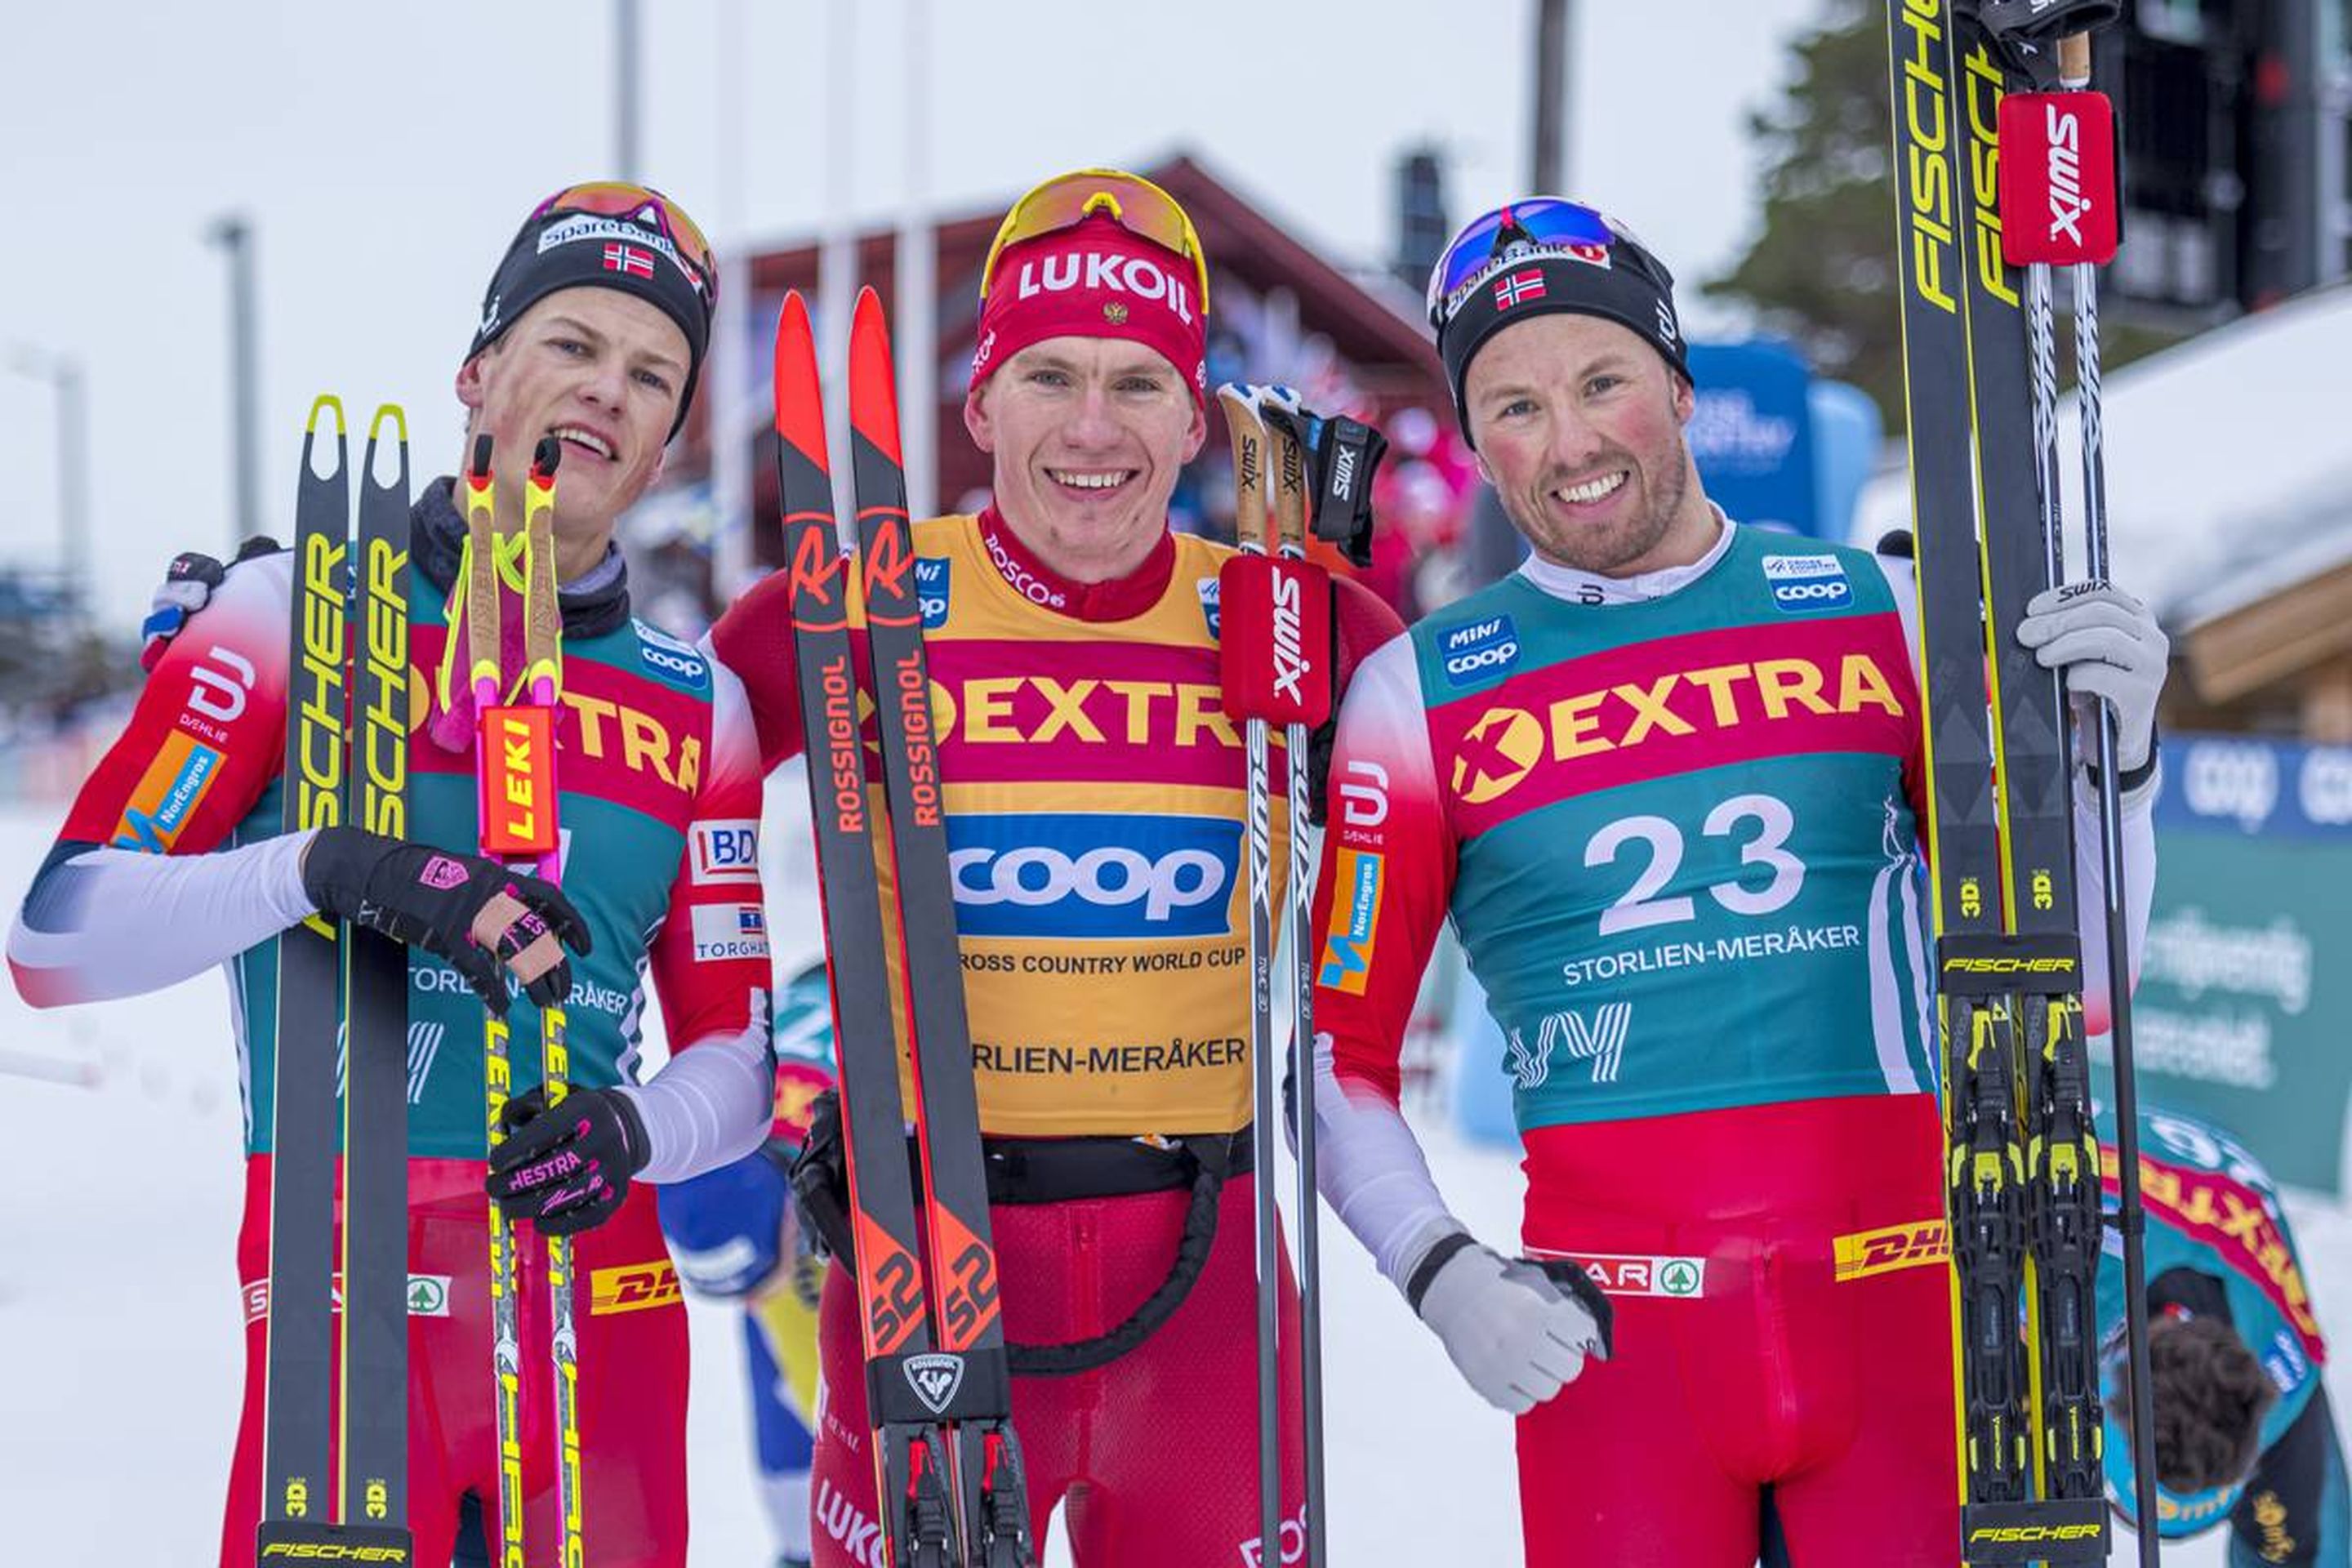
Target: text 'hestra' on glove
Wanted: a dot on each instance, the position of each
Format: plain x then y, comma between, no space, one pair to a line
567,1167
478,915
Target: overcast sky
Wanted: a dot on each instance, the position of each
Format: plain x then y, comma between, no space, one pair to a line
385,154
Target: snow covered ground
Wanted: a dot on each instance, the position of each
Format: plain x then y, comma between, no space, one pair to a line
120,1348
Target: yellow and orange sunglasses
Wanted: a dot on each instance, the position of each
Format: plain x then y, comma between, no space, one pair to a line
1134,202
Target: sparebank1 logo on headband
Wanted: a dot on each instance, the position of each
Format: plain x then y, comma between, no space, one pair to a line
1105,271
593,225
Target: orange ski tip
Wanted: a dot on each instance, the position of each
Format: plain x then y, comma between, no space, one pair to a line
799,399
873,389
478,472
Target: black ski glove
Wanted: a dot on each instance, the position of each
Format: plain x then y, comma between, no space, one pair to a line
568,1168
480,916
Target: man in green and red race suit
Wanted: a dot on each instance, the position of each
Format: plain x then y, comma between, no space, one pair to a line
1664,780
173,860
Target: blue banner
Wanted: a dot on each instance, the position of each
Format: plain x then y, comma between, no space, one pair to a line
1752,435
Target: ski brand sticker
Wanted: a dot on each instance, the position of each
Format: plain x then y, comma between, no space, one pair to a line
1619,1274
729,930
1479,651
935,1376
1807,584
931,584
724,851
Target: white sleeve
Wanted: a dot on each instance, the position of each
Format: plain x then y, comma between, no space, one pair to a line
1371,1169
112,922
2137,850
711,1103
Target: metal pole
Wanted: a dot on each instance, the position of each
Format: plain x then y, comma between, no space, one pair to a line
73,484
1555,22
63,375
624,88
731,454
2074,75
837,291
234,235
918,308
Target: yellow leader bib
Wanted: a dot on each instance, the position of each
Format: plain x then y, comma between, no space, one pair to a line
1095,792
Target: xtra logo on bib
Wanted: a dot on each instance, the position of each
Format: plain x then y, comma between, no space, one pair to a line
1808,584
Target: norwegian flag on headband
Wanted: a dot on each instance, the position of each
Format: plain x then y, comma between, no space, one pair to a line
1518,286
628,258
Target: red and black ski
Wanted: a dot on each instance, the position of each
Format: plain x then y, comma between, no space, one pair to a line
938,1388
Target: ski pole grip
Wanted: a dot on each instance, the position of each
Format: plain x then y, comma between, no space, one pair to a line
2075,59
1274,639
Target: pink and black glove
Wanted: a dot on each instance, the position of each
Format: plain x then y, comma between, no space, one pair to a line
567,1168
483,917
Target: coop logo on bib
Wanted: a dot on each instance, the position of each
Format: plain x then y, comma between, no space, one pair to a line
1807,584
1479,650
931,584
1066,876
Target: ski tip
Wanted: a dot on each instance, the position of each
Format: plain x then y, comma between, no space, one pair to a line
873,389
800,400
325,405
390,413
545,458
478,470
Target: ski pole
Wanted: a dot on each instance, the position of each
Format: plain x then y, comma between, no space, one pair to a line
1250,530
1301,672
2074,77
478,569
542,682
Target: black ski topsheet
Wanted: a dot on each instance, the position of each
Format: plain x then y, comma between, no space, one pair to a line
963,1253
1973,461
373,1458
911,1464
300,1331
2034,762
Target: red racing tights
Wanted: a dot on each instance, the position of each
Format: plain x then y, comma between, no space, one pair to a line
1783,1340
632,1368
1154,1457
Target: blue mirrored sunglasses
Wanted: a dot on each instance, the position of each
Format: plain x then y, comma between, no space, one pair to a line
1537,221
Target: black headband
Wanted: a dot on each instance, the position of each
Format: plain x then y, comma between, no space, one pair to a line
564,249
1622,283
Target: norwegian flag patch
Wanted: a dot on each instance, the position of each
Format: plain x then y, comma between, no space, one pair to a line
628,258
1517,287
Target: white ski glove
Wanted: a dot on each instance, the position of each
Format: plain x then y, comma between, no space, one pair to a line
2110,648
1517,1330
